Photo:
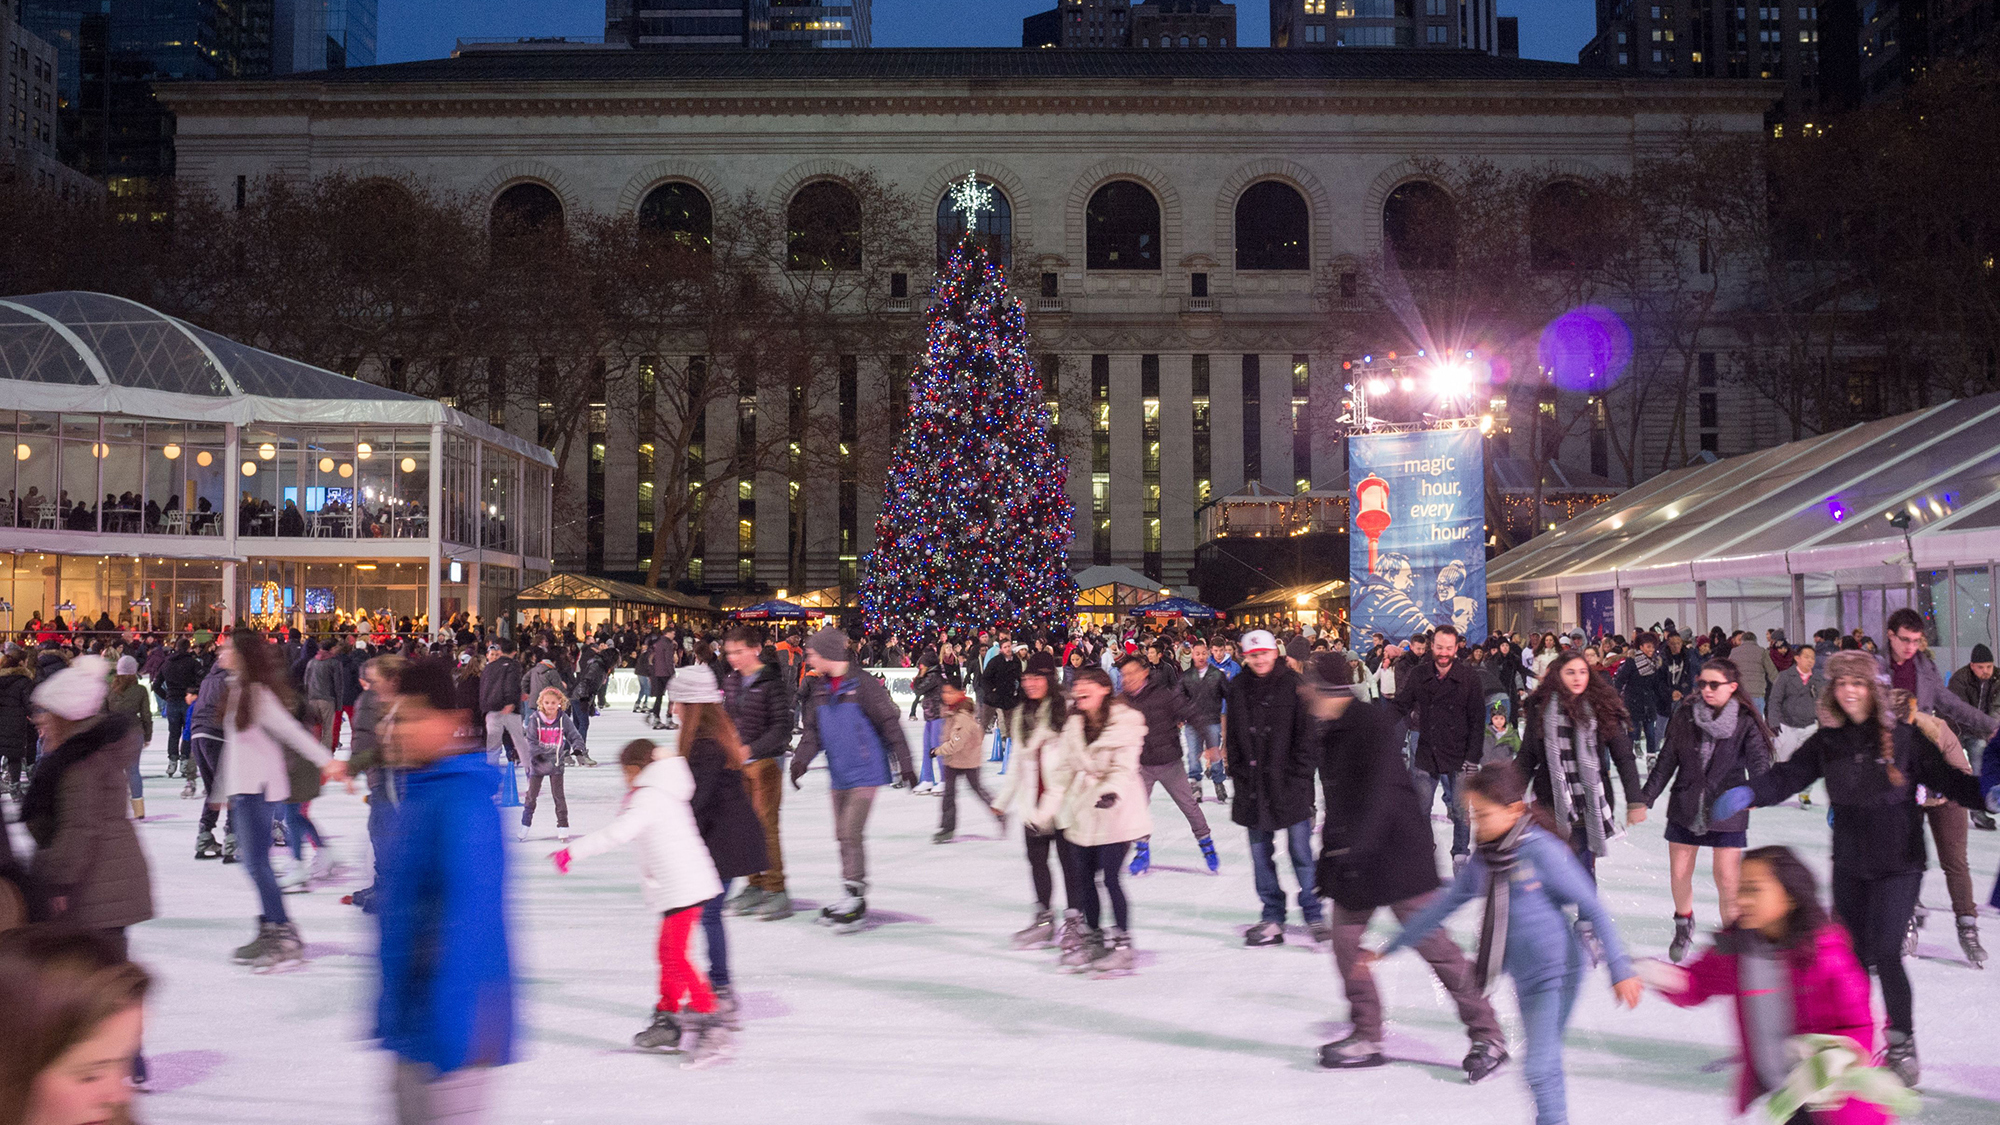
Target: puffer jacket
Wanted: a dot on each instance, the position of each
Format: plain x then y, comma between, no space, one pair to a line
958,747
675,870
541,759
17,731
78,811
859,727
1081,773
761,707
1794,702
1164,708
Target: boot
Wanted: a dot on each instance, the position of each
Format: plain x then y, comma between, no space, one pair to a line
1039,931
1351,1053
943,836
1677,951
1221,794
1265,933
284,949
726,1007
1910,934
1070,935
173,767
1485,1058
296,879
1208,855
1116,954
776,907
205,846
138,808
1142,860
325,864
664,1033
1901,1057
187,791
746,901
245,954
1968,940
1982,820
711,1041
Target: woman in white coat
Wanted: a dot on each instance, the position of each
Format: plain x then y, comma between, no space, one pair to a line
257,728
676,876
1092,789
1035,729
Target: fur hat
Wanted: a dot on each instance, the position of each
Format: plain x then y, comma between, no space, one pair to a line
77,692
1855,665
830,643
694,683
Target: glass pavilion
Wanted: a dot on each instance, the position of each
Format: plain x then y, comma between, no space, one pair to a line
169,478
1836,531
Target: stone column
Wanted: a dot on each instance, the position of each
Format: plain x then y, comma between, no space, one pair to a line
1127,477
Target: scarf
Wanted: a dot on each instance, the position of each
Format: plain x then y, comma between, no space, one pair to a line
1500,857
1572,755
1643,665
1764,982
1831,1071
1715,726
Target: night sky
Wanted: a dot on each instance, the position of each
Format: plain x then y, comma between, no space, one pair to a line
426,29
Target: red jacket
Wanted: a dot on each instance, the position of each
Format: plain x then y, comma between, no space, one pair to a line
1829,997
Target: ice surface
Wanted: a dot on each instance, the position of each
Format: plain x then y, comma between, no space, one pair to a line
930,1019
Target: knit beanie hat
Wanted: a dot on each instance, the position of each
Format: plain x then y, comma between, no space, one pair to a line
127,666
830,643
1040,664
1981,655
77,692
694,683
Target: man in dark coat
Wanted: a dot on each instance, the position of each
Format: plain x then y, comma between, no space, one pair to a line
1376,851
1271,755
182,676
1642,683
1442,701
500,701
1164,708
1002,680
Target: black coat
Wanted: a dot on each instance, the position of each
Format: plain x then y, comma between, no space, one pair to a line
1376,847
17,731
1448,713
1739,760
1165,709
722,811
1614,751
761,707
1002,680
1270,749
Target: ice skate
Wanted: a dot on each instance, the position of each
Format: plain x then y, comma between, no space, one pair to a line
173,768
187,791
296,879
1038,933
1087,950
1115,958
1070,935
943,836
711,1041
726,1007
205,846
850,914
1194,786
325,865
746,901
1968,940
663,1034
1265,933
1901,1057
1320,930
1221,794
522,835
1483,1060
1208,855
244,954
776,907
1351,1053
1982,820
1910,934
1592,948
1677,950
1142,860
229,849
284,950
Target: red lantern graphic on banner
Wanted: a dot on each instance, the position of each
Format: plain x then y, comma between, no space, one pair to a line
1371,512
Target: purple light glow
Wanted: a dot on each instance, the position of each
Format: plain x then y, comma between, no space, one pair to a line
1585,349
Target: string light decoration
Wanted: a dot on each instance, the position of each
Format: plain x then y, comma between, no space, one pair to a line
976,525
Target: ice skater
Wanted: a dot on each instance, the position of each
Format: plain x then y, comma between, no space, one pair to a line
722,811
958,757
551,738
1036,734
1094,794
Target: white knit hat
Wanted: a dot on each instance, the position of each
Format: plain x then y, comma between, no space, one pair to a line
77,692
127,666
693,683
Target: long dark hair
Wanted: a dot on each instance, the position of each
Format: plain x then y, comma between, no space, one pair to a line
1093,724
1728,668
57,986
1807,917
257,663
1598,694
709,721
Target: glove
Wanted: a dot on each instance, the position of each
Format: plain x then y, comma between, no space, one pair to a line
798,771
1731,802
1108,800
561,860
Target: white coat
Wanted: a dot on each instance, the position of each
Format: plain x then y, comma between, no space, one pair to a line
675,870
253,759
1081,773
1025,773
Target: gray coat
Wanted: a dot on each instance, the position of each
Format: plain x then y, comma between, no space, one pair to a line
323,676
87,850
1794,702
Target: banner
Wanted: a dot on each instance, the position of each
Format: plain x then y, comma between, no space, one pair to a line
1417,534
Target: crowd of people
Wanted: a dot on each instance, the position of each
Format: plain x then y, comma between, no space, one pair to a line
1334,760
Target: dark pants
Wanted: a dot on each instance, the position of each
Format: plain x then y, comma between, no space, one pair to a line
718,940
1264,870
1039,845
177,747
1364,1001
535,792
1579,846
949,817
1427,786
207,758
384,802
580,711
1086,865
299,828
254,813
1950,825
1876,912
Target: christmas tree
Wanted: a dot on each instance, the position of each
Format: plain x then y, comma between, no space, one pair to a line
975,525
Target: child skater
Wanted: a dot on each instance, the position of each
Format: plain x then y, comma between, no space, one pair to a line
677,877
958,757
1527,875
1792,972
552,738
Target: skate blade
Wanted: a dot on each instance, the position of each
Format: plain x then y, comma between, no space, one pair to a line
1110,974
705,1062
280,967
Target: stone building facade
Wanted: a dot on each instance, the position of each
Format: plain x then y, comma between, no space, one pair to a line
1188,215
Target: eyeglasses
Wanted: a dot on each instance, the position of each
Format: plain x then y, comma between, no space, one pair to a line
1712,685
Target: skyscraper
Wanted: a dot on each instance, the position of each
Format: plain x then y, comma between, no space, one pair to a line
1447,25
1153,24
1718,39
779,24
311,35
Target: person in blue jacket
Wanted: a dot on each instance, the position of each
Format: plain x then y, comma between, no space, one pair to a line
1526,874
447,1004
850,717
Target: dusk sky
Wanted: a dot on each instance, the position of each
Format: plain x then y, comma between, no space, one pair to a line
426,29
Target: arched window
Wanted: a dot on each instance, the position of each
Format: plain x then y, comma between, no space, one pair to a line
678,213
996,226
823,227
1565,228
1272,228
1420,227
527,209
1122,228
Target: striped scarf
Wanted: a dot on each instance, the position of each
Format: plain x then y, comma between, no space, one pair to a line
1500,857
1573,756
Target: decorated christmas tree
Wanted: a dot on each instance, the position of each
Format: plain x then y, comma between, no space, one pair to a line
975,525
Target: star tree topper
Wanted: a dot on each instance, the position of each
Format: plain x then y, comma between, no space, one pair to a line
970,197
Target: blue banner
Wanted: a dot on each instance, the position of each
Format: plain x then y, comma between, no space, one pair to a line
1416,534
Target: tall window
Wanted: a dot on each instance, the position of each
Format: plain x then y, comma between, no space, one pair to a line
594,474
995,229
1302,452
899,393
1100,459
643,428
823,228
524,217
1272,228
1253,421
1565,230
1420,227
680,214
697,466
746,477
850,476
1122,228
1204,482
1149,466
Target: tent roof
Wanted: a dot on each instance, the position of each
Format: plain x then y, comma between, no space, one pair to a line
1820,505
588,588
1255,492
1288,596
95,353
1090,578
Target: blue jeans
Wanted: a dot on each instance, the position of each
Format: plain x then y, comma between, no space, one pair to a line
1545,1009
1264,866
1427,786
718,942
298,830
176,716
579,713
382,809
933,734
1198,737
253,826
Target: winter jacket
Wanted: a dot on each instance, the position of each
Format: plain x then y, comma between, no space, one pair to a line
1002,680
206,715
1026,787
723,814
657,816
182,675
660,660
1946,740
1794,702
1934,698
958,746
500,685
859,727
447,972
323,677
1677,672
1614,751
928,688
1741,758
366,753
1376,847
78,811
17,731
1164,708
542,760
350,676
541,677
1080,774
1829,997
1982,696
1204,691
1755,670
253,759
1447,713
761,707
1645,696
1541,943
137,702
1270,750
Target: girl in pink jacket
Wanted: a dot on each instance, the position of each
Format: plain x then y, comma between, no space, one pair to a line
1792,973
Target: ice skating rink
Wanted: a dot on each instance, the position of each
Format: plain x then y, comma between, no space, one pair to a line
929,1018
